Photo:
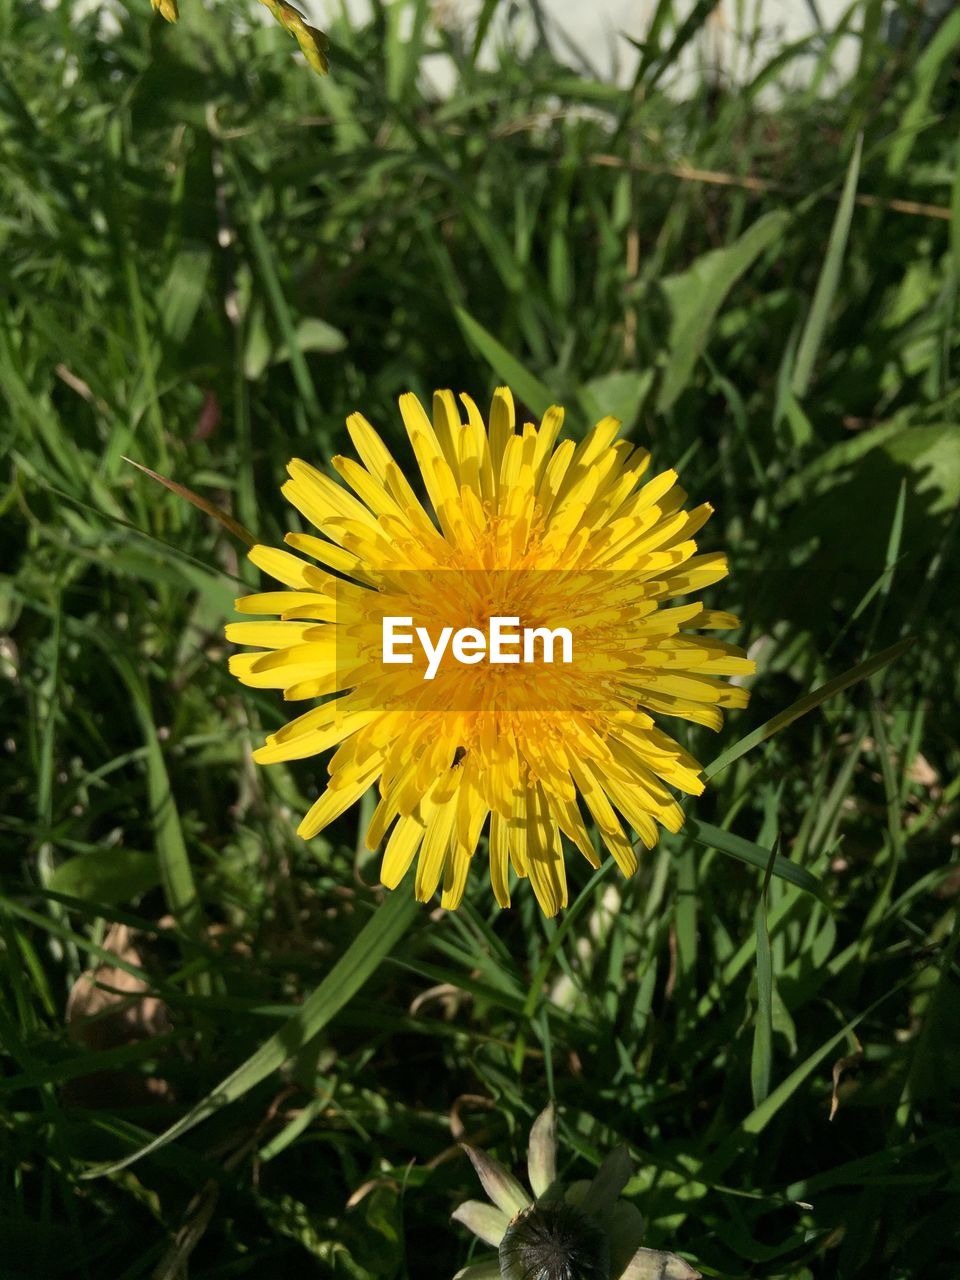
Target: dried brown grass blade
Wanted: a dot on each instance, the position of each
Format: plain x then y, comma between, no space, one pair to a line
202,504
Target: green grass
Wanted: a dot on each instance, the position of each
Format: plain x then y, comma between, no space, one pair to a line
208,257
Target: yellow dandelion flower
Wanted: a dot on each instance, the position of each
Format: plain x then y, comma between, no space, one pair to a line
496,666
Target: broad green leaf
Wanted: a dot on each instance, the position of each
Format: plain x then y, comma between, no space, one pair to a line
183,291
620,394
697,295
837,457
933,453
258,348
314,334
107,875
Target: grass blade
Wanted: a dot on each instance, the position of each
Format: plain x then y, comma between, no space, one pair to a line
697,295
809,702
175,871
484,18
762,1055
266,263
754,855
505,365
372,944
826,289
926,72
760,1116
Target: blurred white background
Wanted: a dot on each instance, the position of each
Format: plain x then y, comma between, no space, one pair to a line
596,34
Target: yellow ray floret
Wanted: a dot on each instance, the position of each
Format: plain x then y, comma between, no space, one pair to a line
465,755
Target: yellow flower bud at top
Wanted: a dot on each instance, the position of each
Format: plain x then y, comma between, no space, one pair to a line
313,42
167,9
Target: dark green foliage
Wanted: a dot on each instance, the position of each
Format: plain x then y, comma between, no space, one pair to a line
208,257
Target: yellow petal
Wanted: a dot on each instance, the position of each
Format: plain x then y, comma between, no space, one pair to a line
313,742
401,850
268,635
499,859
544,855
455,877
333,803
433,851
288,569
279,601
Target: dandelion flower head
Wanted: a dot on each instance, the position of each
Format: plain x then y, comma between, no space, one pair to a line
519,525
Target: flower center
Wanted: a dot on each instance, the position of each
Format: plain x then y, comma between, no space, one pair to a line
554,1242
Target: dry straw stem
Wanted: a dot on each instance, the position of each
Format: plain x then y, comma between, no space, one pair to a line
765,186
202,504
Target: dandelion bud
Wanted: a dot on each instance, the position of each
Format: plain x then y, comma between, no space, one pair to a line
583,1231
554,1242
167,9
313,42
